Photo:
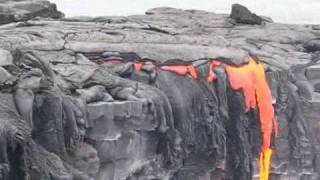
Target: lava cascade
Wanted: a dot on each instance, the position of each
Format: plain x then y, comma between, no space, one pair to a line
252,80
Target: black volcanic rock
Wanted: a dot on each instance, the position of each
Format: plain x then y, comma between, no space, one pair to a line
312,46
243,15
6,18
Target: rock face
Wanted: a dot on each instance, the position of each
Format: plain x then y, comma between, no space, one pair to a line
76,105
23,10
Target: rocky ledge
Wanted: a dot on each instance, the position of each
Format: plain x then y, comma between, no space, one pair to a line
22,10
75,104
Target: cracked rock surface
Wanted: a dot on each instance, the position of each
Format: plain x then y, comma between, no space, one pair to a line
66,115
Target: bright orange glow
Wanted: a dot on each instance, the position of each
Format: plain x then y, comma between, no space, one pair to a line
244,78
211,75
252,80
181,70
137,66
264,164
275,126
111,61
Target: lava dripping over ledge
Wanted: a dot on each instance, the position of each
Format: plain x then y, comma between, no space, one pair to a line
250,78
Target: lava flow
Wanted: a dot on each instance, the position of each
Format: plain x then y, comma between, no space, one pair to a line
252,80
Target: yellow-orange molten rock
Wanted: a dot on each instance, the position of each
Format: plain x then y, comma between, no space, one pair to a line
252,80
264,164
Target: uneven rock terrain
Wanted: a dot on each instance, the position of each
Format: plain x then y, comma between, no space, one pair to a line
66,114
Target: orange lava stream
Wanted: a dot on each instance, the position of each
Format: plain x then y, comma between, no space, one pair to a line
252,80
264,164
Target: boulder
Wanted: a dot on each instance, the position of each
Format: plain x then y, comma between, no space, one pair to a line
243,15
312,46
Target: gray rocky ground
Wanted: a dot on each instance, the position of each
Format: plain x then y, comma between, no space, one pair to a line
63,116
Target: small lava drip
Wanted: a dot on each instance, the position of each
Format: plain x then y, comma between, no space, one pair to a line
139,64
211,75
182,70
251,79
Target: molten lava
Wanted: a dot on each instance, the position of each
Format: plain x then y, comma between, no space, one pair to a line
182,70
111,61
251,79
264,164
211,75
137,66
